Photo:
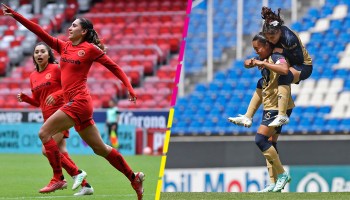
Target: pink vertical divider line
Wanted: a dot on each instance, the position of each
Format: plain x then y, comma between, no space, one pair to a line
173,96
178,73
182,50
181,53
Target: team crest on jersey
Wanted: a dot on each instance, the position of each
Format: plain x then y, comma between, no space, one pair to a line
81,53
48,76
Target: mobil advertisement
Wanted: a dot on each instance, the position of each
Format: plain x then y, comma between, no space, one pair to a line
252,179
247,179
320,179
23,138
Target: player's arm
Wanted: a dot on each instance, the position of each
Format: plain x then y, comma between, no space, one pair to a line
118,72
280,66
25,98
33,27
53,97
294,48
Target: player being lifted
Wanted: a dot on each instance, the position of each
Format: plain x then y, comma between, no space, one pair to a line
271,64
288,43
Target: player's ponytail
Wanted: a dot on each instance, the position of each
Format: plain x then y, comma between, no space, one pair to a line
51,59
273,21
91,35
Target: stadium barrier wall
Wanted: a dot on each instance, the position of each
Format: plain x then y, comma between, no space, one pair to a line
253,179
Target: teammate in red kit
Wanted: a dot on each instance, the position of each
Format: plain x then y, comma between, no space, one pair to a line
77,56
45,84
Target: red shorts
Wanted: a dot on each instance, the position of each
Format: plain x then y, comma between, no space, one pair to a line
80,109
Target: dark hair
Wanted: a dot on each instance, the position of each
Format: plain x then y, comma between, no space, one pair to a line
51,60
273,21
260,37
91,35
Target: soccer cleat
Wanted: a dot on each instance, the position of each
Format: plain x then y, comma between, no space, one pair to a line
241,120
78,179
269,188
279,121
137,184
282,180
54,185
85,191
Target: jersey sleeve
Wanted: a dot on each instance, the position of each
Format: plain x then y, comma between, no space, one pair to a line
294,48
31,100
278,58
117,71
53,42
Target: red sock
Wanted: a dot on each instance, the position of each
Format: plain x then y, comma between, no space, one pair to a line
53,155
118,162
83,183
68,164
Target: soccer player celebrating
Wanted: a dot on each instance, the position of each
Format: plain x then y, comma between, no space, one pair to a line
266,94
77,56
45,84
289,44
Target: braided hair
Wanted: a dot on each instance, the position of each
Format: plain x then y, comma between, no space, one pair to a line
91,35
273,21
51,59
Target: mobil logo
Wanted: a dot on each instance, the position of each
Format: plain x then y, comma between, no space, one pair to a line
249,179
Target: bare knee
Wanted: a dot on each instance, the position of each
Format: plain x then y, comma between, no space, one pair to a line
100,150
44,135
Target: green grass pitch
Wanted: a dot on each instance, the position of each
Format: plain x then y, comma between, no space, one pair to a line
22,175
252,196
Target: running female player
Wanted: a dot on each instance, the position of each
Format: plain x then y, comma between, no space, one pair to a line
77,56
45,84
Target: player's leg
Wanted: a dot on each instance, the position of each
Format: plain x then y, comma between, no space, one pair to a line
255,102
284,96
93,138
72,169
58,122
270,153
272,172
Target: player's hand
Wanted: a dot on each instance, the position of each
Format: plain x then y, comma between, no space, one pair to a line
132,97
50,100
249,63
260,64
6,10
19,97
277,50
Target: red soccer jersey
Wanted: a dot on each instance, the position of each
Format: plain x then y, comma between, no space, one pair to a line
42,85
75,61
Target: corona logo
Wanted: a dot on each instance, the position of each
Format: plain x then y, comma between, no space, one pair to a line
313,182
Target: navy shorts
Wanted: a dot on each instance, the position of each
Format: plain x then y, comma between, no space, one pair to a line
305,71
270,115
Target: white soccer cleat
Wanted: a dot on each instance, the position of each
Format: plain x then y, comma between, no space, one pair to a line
269,188
78,179
282,180
85,191
279,121
241,120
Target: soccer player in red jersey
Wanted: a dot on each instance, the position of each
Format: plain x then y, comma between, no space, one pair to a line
77,56
45,84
